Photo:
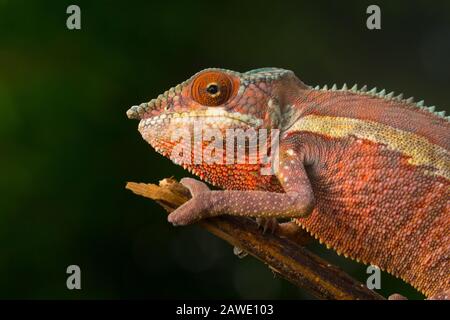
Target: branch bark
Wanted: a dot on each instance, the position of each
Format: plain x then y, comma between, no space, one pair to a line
284,256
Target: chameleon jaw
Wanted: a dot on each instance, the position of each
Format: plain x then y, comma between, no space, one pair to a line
211,116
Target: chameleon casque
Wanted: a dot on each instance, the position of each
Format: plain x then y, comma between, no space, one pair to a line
365,172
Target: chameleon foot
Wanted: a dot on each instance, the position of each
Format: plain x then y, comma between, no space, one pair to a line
289,230
397,296
294,232
195,208
240,253
265,224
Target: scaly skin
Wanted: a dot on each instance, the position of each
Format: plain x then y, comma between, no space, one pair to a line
366,173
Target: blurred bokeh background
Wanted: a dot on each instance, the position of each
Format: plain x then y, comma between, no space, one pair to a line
67,148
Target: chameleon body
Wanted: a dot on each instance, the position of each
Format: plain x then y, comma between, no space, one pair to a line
365,172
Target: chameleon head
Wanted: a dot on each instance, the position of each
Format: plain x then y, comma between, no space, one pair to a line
216,99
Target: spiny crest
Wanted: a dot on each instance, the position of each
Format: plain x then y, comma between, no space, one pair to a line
252,76
388,96
136,112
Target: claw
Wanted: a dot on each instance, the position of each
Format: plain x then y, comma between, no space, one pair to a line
194,209
240,253
270,224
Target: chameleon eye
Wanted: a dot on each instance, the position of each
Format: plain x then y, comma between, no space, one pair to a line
213,88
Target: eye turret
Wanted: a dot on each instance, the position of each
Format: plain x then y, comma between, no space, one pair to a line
213,88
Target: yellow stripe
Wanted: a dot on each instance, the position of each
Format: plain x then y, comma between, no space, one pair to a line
419,149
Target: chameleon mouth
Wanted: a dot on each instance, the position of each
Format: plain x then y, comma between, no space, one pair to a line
212,116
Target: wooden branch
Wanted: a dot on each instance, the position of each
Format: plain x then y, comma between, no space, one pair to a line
284,256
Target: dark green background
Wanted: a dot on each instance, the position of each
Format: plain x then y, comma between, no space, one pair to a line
67,148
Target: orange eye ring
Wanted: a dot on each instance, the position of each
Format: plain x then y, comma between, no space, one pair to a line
213,88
